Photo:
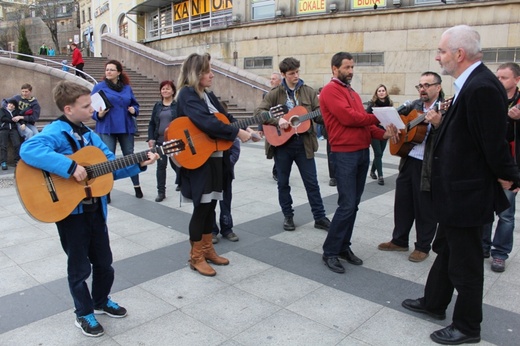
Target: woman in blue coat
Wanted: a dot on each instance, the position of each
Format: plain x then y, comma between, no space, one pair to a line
117,122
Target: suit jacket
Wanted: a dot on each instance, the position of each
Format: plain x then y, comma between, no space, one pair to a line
470,152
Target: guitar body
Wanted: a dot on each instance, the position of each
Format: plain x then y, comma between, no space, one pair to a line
277,136
410,137
38,201
198,145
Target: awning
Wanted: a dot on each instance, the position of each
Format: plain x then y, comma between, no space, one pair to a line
150,6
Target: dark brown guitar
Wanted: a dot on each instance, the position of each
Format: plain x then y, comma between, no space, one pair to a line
199,146
414,132
50,198
299,121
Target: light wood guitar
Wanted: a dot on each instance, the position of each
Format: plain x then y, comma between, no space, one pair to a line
299,121
50,198
415,130
199,146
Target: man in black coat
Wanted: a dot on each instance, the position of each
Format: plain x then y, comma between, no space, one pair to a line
471,165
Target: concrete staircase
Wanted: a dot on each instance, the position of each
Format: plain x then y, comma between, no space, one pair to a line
146,91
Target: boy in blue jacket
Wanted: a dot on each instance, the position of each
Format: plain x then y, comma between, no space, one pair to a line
84,233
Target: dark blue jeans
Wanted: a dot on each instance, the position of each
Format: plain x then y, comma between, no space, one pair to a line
162,165
284,156
225,219
84,238
351,174
126,141
503,239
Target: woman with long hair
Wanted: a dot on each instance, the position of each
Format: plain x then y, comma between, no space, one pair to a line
203,186
117,122
379,99
163,113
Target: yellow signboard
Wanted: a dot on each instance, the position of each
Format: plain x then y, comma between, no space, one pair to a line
184,9
359,4
311,6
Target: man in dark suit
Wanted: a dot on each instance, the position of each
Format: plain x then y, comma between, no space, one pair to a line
471,165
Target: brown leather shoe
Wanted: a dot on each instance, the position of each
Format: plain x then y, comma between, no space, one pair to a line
389,246
417,256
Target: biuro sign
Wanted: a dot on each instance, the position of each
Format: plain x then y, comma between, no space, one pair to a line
311,6
359,4
184,9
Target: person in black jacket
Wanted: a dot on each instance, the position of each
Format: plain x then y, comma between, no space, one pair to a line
9,131
203,185
163,113
471,165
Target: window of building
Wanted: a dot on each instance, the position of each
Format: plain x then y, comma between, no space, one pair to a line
501,55
259,62
104,29
123,26
89,14
367,59
263,9
82,16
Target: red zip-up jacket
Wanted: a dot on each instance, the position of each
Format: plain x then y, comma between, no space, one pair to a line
350,128
77,58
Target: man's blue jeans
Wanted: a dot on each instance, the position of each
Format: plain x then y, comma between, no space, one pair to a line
351,174
503,239
126,141
284,156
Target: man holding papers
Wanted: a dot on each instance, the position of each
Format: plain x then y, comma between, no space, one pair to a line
350,131
412,198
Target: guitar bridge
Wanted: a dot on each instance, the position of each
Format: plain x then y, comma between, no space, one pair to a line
190,142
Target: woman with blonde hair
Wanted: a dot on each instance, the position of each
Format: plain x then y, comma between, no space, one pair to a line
203,186
379,99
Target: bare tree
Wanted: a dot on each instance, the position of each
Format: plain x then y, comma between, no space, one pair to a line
51,12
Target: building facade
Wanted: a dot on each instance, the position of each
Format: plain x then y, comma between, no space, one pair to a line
393,41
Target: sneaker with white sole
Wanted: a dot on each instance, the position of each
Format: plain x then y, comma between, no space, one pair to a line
111,309
89,325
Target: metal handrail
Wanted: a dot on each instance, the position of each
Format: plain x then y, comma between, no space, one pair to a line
10,53
114,42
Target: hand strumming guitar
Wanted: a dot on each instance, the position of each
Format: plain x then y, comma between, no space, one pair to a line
392,132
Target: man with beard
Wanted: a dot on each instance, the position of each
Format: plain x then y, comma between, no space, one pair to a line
411,202
350,130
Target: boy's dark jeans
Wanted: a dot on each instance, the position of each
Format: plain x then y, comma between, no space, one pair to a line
84,237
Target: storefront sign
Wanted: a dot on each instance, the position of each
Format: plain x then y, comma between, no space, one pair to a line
197,7
360,4
311,6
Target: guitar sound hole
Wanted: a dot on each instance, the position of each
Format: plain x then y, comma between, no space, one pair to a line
295,121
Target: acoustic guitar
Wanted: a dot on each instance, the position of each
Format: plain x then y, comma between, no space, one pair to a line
299,122
50,198
200,146
415,130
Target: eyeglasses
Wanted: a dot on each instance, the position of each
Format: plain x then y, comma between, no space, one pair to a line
425,86
110,70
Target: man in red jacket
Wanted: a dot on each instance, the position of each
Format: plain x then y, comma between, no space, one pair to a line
350,131
77,60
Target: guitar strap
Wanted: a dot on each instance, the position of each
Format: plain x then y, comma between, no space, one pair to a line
89,204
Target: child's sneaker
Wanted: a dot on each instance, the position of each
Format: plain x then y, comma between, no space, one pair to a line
4,166
112,309
89,325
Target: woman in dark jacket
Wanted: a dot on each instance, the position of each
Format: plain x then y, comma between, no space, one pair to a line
379,99
203,186
163,113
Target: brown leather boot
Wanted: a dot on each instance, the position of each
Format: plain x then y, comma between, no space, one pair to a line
210,253
198,262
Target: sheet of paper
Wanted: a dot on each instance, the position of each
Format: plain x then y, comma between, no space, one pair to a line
98,102
387,116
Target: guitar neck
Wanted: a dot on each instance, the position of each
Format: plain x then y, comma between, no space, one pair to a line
251,121
310,115
106,167
416,121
